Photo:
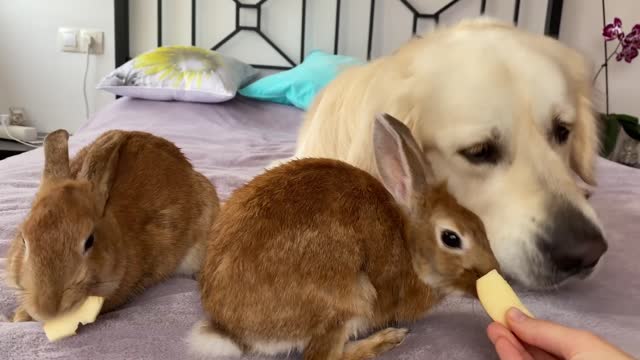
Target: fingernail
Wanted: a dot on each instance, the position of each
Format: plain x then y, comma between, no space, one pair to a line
516,315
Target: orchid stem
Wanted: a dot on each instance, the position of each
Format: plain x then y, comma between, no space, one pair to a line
606,62
606,67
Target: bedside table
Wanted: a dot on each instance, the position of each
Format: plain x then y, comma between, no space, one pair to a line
10,148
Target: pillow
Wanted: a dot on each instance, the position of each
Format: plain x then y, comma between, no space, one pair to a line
300,85
182,73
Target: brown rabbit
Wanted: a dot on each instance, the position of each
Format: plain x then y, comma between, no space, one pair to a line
128,211
315,250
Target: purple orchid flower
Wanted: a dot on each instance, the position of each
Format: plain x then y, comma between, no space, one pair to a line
613,31
628,47
633,37
628,53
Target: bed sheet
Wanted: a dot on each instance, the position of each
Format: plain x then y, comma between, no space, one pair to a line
232,142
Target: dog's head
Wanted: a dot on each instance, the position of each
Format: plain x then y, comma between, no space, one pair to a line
505,117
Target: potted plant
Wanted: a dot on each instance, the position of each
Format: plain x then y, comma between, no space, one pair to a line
620,134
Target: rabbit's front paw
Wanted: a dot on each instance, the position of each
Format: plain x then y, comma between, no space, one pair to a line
21,315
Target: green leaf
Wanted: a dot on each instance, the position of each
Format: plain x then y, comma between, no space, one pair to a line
630,125
609,133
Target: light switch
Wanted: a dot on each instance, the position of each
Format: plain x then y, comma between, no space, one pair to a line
69,39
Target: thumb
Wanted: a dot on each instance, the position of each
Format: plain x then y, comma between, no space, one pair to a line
556,339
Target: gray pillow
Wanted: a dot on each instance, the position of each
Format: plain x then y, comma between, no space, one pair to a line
181,73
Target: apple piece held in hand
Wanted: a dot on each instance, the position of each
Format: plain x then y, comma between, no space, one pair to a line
66,325
497,297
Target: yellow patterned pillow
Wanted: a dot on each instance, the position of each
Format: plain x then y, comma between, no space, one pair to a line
182,73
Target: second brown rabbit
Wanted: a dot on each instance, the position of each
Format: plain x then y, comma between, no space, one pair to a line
315,250
127,212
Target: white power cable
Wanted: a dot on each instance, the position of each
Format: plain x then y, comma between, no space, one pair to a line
89,41
4,119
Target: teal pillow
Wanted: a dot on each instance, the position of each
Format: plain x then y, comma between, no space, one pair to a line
300,85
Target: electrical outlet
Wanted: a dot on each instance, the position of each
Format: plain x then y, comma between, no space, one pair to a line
75,40
97,47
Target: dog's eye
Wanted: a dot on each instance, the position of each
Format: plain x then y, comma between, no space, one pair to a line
88,244
451,239
481,153
561,132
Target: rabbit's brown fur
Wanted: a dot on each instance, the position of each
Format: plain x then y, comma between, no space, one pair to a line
148,210
315,250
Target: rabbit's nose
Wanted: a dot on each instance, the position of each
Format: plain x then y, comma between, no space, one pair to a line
573,243
45,303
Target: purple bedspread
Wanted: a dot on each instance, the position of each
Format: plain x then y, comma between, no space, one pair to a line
232,142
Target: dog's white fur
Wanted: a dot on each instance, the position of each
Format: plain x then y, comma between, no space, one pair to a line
457,87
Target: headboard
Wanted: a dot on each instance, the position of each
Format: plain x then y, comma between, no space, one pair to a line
439,9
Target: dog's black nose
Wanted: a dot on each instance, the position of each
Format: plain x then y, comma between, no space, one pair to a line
581,254
573,242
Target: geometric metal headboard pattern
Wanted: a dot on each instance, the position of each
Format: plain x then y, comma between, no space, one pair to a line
121,10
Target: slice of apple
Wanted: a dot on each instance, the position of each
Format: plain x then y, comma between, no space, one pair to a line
65,325
497,297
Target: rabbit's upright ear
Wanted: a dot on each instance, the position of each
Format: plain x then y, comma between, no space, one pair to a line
100,165
56,157
403,169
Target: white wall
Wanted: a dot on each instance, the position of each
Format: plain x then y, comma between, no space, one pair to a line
48,83
4,102
582,27
36,75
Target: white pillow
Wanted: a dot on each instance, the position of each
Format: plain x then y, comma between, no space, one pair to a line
182,73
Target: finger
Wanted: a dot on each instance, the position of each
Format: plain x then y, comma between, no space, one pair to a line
539,354
496,331
506,350
556,339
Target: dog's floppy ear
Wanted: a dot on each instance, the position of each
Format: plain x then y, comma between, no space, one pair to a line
585,145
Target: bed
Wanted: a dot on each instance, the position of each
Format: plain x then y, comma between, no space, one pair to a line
233,141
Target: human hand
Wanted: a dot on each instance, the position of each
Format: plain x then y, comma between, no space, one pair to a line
533,339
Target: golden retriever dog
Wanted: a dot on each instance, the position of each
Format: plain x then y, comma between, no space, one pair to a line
504,117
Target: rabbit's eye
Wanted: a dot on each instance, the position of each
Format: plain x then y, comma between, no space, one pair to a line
451,239
88,244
